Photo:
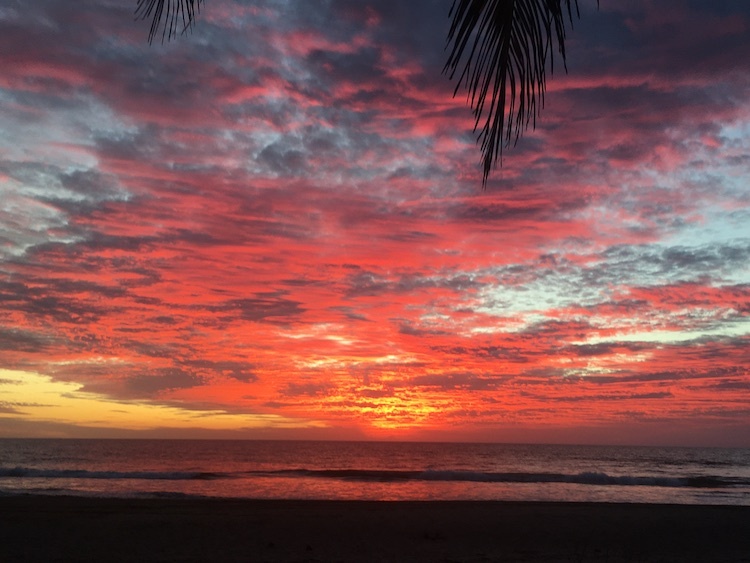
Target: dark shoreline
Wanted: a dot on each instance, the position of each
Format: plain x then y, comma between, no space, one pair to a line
60,528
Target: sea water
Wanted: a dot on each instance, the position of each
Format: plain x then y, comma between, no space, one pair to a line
374,471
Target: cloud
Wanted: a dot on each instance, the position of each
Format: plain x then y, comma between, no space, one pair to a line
163,379
293,389
266,307
282,214
453,381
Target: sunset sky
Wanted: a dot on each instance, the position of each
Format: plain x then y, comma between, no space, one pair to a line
274,227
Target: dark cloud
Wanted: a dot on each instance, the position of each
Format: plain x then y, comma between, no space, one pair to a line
269,307
410,330
303,389
236,370
161,380
455,381
593,398
283,160
505,353
371,283
731,386
49,303
376,393
607,348
24,341
351,313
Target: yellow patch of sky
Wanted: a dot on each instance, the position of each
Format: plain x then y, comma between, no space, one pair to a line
38,397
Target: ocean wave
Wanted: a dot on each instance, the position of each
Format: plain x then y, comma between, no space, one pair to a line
34,473
389,476
585,478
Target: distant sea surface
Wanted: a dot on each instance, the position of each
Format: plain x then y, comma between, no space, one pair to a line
374,471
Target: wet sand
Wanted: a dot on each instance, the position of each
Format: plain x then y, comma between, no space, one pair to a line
38,528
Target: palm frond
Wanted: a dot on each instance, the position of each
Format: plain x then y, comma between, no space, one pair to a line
176,15
503,47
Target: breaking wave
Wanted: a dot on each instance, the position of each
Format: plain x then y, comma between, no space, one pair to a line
387,476
33,473
586,478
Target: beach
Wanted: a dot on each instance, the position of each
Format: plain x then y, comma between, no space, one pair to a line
67,528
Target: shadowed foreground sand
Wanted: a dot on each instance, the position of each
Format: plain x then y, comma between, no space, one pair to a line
34,528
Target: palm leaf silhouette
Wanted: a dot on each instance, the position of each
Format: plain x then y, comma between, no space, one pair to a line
175,14
502,47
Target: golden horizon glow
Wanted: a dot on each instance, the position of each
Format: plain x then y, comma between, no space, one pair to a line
38,397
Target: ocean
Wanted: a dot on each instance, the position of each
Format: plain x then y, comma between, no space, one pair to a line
374,471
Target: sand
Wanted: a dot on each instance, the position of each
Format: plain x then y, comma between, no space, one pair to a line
39,528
